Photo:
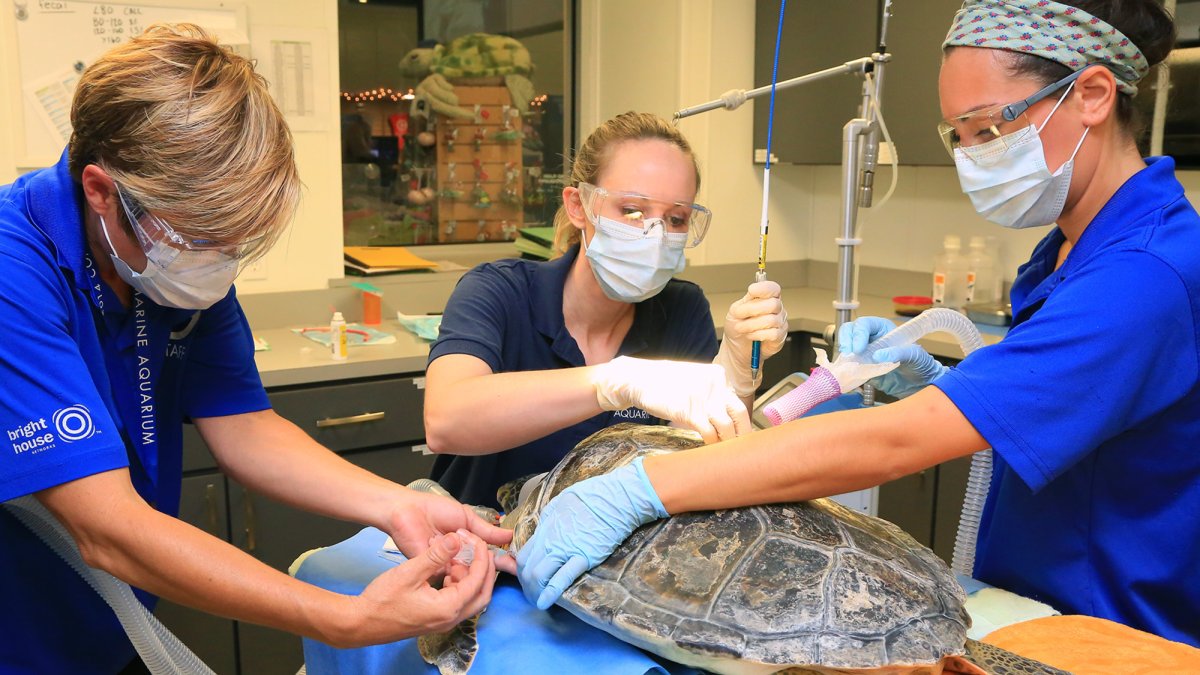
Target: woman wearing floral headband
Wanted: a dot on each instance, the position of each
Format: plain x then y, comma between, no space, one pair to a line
1094,504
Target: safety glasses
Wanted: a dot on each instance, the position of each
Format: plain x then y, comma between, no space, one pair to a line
1002,125
632,209
163,244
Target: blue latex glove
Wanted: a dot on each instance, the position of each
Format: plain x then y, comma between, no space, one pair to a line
581,527
917,367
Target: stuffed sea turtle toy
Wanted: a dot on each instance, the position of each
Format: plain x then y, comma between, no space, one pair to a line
473,59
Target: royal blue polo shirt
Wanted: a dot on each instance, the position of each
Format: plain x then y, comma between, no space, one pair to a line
90,386
1091,405
509,314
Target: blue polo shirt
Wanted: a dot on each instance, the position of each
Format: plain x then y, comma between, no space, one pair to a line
509,314
1091,405
90,386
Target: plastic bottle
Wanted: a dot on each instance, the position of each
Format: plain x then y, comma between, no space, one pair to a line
983,278
337,337
950,274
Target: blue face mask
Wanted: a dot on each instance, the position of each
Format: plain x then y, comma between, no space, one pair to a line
632,263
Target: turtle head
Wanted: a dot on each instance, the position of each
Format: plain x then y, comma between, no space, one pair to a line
418,62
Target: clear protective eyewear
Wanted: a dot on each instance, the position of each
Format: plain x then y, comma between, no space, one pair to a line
632,208
1006,123
163,244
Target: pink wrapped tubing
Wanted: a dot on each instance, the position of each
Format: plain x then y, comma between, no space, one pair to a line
820,386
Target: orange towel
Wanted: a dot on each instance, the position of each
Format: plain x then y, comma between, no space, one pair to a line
1085,645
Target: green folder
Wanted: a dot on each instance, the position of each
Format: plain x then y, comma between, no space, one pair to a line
539,235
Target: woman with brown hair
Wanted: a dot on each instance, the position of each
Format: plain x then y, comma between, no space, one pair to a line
533,357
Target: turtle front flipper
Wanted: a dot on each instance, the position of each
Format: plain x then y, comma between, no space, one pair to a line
993,659
440,93
521,90
452,652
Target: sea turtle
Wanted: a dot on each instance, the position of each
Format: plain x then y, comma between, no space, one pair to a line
474,59
802,588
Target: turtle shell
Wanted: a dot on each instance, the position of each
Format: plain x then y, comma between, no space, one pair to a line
481,54
758,589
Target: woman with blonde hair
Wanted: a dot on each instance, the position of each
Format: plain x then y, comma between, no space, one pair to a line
1094,506
116,293
533,357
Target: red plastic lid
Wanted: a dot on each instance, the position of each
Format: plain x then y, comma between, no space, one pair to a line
912,300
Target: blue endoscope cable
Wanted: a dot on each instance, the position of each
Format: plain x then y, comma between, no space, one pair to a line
761,274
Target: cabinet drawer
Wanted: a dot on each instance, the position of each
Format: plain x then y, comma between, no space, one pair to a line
358,415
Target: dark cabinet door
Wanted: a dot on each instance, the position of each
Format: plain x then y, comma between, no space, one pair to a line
211,637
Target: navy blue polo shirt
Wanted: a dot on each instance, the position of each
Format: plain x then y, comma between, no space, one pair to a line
1091,405
509,314
90,386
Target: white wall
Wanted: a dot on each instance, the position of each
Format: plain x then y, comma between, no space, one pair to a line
310,253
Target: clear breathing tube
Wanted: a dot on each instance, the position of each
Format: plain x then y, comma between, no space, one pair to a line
815,390
939,319
980,476
161,651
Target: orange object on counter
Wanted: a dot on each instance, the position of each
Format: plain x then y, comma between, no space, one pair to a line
372,308
1086,645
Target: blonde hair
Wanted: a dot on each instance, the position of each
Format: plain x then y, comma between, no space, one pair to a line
188,129
592,156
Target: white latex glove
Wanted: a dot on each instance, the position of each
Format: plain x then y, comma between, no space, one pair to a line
759,315
692,395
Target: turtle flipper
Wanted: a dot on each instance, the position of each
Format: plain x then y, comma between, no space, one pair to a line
521,90
440,93
454,651
993,659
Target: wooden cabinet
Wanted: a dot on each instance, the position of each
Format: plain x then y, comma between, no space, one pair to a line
479,169
375,424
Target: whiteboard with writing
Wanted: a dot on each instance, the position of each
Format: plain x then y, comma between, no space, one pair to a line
58,39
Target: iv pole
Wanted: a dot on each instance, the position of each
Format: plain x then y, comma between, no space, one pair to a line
860,154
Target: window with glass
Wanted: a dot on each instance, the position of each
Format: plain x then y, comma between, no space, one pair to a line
455,118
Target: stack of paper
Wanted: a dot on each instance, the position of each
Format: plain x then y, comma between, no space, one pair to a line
372,260
535,242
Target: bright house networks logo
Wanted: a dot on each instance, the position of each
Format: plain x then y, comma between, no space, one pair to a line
74,423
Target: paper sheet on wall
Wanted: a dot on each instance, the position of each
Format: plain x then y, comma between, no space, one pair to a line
296,63
292,78
57,39
51,98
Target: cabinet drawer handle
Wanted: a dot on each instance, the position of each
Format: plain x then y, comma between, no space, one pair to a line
210,508
251,528
353,419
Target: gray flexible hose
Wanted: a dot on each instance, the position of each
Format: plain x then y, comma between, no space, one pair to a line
161,651
980,477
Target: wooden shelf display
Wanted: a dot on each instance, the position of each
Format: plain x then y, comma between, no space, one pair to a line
479,173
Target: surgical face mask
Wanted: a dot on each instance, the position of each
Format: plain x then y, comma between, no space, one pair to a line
1008,181
634,263
192,280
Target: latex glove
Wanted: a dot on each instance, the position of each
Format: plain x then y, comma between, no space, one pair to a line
917,368
759,315
693,395
581,527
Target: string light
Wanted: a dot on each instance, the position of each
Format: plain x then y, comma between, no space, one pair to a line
378,94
